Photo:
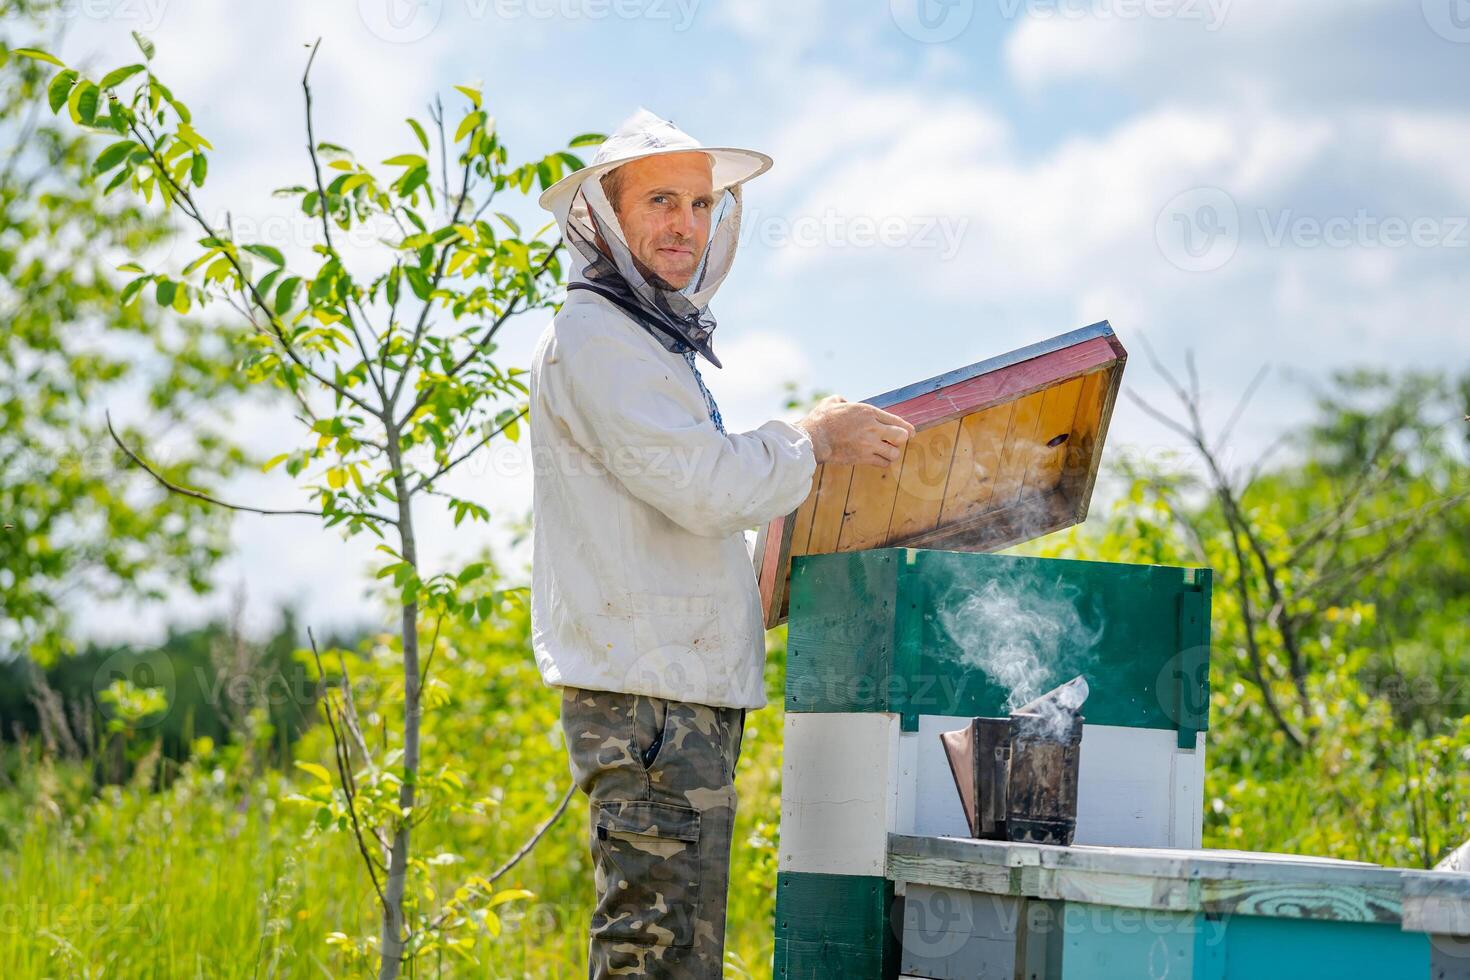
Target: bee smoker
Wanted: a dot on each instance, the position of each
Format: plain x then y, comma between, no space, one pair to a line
1017,776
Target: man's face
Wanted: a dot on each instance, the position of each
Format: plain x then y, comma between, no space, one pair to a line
664,205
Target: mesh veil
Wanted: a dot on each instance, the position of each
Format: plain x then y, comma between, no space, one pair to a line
679,318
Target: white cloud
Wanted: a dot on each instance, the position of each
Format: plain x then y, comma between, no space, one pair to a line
1260,51
1437,144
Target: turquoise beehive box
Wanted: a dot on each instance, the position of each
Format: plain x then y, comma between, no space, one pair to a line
889,647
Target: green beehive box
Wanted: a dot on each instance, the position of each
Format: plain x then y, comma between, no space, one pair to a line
920,632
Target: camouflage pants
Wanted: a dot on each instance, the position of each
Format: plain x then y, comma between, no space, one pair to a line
660,778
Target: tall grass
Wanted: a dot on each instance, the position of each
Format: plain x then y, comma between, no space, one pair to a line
216,877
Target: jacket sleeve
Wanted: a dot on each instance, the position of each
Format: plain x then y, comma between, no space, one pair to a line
654,434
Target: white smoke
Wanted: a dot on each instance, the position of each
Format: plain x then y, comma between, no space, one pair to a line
1057,709
1024,632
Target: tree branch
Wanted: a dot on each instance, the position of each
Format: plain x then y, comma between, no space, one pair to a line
197,495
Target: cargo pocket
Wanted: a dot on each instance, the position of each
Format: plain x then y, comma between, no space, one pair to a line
648,873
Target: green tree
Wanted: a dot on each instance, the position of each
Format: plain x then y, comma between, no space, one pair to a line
1338,725
75,527
396,387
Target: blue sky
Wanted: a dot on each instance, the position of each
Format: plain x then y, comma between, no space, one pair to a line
1261,182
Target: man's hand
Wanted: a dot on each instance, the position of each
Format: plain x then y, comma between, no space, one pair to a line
846,433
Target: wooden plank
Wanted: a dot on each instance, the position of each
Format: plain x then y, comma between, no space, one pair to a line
836,791
1058,415
1255,883
869,507
997,528
1437,902
952,874
1259,947
1084,448
1020,450
1320,899
801,531
835,925
976,460
1073,337
928,461
1161,862
1084,432
955,934
770,574
1006,384
783,538
1310,900
831,503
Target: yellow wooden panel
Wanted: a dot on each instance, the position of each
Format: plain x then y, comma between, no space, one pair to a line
976,460
1058,413
869,507
1020,450
927,458
827,518
801,530
1084,430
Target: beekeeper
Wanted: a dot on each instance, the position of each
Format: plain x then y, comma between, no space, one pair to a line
644,604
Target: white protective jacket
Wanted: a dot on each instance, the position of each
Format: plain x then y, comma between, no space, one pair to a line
642,580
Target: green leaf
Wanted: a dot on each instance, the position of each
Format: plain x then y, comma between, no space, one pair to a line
571,160
419,132
510,895
198,167
132,289
473,94
164,294
39,56
122,175
269,253
113,77
418,281
468,124
405,160
286,294
267,281
587,139
412,181
59,89
82,103
144,45
510,223
188,135
112,156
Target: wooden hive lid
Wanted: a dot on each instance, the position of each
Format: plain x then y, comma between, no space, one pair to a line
1004,450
